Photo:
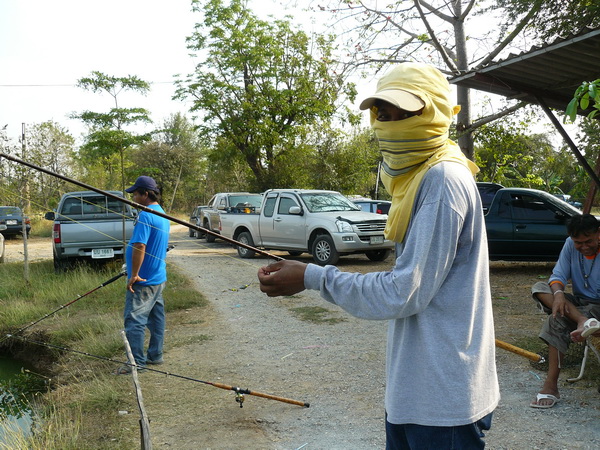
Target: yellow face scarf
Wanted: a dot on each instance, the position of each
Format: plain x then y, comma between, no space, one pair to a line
410,147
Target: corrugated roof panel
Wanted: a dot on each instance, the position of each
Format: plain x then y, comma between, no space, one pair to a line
552,71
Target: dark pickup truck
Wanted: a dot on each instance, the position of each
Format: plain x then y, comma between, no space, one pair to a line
526,225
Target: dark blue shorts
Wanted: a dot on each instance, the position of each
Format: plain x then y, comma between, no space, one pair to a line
419,437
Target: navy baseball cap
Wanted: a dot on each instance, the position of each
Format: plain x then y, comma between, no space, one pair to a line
143,182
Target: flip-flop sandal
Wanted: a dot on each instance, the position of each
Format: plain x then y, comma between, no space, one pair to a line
539,397
590,327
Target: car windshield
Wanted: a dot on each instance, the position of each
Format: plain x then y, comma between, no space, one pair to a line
253,200
327,201
9,211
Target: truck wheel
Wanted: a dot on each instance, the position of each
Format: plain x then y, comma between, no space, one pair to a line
294,253
245,238
209,237
60,266
192,232
378,255
323,250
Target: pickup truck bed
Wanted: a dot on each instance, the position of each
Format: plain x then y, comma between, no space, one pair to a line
89,226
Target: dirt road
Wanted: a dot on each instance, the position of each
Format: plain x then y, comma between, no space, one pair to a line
245,339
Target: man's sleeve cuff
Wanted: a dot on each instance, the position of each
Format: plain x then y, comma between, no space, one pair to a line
312,277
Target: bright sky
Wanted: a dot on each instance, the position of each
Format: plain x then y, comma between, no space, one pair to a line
47,45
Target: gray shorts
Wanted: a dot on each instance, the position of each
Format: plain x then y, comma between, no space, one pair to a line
557,331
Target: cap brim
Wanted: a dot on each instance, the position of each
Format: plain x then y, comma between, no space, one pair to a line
129,190
397,97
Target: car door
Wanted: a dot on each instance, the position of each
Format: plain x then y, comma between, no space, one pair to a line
539,228
284,229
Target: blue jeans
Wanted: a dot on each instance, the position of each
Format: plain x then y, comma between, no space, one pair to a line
419,437
145,307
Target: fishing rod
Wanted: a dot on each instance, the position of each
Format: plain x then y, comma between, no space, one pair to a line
138,206
79,297
519,351
240,392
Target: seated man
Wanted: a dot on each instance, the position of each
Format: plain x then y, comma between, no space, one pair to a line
572,317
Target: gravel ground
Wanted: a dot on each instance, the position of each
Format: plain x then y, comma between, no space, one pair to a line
247,340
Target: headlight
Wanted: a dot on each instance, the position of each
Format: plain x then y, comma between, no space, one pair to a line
343,226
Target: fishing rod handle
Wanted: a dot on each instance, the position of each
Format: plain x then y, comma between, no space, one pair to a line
260,394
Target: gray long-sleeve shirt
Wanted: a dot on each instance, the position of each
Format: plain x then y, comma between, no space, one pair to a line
441,367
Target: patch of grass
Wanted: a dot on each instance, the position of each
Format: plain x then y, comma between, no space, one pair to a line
315,314
40,226
86,396
180,293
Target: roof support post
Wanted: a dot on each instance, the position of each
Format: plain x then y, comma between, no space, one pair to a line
593,175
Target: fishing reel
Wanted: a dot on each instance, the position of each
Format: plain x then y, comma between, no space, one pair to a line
239,397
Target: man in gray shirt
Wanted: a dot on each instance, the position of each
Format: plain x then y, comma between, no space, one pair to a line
441,376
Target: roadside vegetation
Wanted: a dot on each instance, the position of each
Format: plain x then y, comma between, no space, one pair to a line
78,398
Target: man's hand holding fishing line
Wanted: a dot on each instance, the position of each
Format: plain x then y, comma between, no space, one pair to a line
282,278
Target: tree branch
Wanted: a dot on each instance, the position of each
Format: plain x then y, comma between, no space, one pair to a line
436,43
524,22
487,119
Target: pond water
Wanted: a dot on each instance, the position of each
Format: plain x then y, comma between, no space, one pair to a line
14,414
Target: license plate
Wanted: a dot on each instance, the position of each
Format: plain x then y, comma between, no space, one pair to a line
11,222
376,240
99,253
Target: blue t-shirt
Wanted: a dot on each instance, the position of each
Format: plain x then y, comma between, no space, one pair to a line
152,231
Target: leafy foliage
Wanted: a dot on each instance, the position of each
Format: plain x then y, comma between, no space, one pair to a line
587,95
553,17
259,84
509,154
109,137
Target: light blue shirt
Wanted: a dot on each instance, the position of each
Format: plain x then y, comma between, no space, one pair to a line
440,361
572,265
152,231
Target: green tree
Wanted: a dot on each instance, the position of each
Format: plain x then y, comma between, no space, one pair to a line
554,17
109,137
49,145
176,158
507,153
259,85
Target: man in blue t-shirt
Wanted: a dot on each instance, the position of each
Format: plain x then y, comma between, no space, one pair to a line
147,276
571,317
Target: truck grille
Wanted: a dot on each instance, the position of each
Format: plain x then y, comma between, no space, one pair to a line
370,227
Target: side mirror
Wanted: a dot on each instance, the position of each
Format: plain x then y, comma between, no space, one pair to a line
295,211
50,215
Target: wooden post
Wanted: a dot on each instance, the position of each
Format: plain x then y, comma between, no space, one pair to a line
144,422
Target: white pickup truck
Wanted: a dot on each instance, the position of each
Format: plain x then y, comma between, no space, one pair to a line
88,225
323,223
222,204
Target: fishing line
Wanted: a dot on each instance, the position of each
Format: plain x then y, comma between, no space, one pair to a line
240,392
141,207
79,297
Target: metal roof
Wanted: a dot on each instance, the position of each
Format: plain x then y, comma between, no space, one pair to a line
551,71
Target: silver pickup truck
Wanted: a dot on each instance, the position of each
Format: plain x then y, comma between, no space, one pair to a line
323,223
225,203
88,225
